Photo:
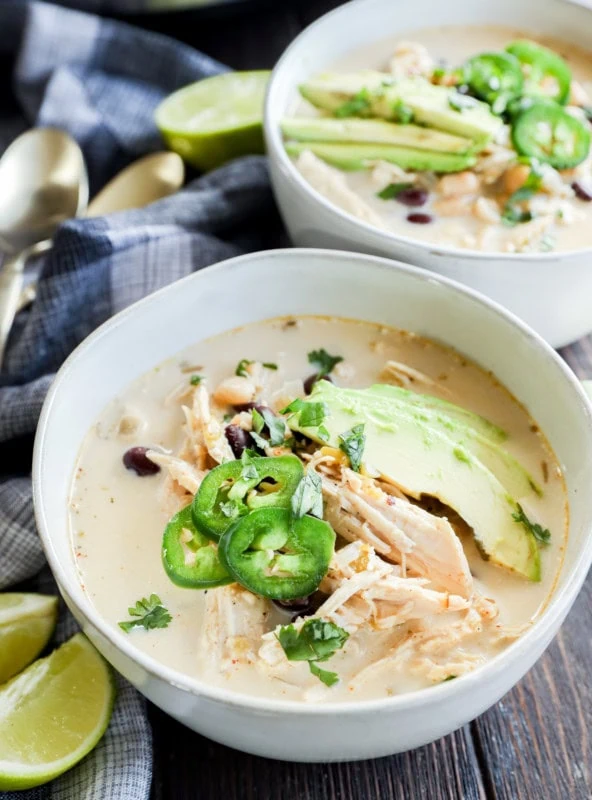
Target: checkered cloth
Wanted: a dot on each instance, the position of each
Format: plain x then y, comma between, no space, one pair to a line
101,81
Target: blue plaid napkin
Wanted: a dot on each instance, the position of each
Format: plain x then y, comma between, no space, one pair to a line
101,80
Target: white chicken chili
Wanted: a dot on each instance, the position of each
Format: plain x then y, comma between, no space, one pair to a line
318,509
475,137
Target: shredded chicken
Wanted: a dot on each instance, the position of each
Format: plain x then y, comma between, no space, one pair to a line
178,469
235,621
332,184
358,508
403,375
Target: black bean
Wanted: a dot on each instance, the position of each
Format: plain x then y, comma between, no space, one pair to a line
583,190
302,606
312,379
251,406
413,196
135,458
238,439
418,218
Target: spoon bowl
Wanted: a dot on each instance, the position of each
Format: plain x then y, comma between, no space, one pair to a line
44,182
146,180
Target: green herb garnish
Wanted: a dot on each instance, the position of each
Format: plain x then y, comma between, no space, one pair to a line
270,365
356,107
276,427
323,361
315,642
195,380
241,368
229,509
512,213
393,190
311,414
248,470
542,535
352,443
308,497
149,613
402,113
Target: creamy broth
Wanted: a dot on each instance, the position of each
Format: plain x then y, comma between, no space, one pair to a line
117,518
468,228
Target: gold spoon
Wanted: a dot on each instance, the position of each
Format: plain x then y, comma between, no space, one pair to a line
44,182
148,179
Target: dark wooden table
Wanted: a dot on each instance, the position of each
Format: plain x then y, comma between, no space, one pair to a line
536,743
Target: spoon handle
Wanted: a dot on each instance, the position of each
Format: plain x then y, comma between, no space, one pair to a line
11,283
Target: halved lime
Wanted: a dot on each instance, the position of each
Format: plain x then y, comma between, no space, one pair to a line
216,119
53,714
26,624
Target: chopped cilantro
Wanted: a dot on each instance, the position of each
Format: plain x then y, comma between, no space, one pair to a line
542,535
270,365
308,497
356,107
323,361
315,642
195,380
229,509
149,613
352,443
513,214
393,190
241,368
402,113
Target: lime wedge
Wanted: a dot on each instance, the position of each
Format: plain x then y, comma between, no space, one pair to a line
26,624
53,714
216,119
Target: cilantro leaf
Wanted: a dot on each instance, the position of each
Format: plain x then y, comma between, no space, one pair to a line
393,190
352,443
308,497
513,214
355,107
294,406
149,613
323,361
276,427
402,113
258,421
241,368
229,509
195,380
249,470
313,414
542,535
316,641
328,678
270,365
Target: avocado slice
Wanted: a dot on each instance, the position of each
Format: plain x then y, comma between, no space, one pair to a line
421,459
471,420
351,157
470,443
373,131
435,106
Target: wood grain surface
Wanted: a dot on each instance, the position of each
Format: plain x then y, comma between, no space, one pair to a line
535,744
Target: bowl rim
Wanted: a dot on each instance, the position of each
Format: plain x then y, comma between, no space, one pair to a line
560,600
387,238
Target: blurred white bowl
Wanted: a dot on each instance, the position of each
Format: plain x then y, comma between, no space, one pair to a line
330,283
550,291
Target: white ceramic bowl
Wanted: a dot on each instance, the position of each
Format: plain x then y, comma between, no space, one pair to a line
550,291
312,282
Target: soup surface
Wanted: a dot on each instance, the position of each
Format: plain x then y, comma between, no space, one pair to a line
425,627
475,207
